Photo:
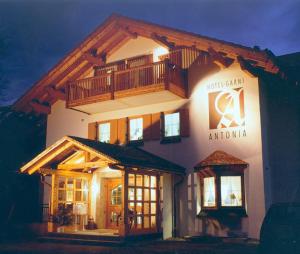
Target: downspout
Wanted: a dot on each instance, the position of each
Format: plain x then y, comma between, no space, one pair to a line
174,231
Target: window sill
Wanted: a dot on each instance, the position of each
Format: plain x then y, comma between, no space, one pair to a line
136,143
223,212
168,140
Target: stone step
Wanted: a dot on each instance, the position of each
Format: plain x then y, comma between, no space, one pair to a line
81,241
86,236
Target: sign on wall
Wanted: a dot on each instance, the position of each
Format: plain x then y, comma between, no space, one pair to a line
226,109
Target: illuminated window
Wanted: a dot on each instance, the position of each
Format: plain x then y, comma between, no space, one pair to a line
72,192
158,52
172,125
116,195
136,129
231,191
142,201
209,192
104,132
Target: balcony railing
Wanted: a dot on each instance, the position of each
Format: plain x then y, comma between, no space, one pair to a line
137,80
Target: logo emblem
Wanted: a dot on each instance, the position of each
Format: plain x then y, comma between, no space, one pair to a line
226,108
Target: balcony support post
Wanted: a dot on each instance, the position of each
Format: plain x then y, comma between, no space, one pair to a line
112,85
167,73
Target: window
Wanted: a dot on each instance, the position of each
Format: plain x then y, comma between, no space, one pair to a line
104,132
222,191
136,129
142,201
231,191
72,194
209,192
172,125
116,195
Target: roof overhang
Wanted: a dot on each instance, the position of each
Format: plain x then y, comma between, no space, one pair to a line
79,155
114,33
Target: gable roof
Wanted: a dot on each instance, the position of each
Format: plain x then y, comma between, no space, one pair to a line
220,158
110,36
112,154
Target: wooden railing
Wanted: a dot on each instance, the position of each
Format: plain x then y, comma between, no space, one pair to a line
159,73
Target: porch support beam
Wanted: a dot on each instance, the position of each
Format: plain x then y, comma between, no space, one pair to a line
83,166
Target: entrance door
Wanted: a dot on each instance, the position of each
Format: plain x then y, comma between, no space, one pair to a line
114,202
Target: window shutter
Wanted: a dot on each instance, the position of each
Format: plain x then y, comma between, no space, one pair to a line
92,131
113,131
122,130
155,126
147,127
184,123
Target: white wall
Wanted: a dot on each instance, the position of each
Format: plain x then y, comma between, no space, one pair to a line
135,47
190,150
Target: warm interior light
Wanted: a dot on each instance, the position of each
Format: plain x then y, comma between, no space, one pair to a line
157,52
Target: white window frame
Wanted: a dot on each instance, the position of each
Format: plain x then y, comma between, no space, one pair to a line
171,122
136,125
104,135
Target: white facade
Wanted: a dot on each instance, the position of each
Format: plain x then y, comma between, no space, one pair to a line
245,144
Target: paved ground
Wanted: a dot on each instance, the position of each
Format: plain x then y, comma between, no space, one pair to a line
169,247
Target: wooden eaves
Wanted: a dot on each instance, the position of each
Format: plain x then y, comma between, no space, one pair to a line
114,33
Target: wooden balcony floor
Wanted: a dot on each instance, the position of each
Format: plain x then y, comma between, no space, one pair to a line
125,102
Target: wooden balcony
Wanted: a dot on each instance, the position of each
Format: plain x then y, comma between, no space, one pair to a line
132,82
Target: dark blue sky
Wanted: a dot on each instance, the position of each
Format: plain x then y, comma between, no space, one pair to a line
34,34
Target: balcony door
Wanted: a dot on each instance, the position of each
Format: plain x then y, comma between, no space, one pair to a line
114,202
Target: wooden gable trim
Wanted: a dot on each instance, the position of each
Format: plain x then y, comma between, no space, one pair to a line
56,94
57,148
219,59
127,32
93,60
40,108
162,40
247,67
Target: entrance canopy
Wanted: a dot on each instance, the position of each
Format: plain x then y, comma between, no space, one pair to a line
85,155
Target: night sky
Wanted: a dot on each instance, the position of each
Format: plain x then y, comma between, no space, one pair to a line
35,35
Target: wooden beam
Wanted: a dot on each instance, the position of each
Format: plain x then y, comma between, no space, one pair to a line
48,171
163,41
127,32
247,67
84,165
219,59
56,94
95,61
40,108
49,157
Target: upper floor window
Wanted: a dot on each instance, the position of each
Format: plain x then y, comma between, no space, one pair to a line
172,125
104,132
136,129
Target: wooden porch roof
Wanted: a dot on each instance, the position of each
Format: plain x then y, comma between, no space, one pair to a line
220,158
99,155
113,34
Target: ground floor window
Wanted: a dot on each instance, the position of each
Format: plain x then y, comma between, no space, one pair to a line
231,191
142,201
71,199
222,191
